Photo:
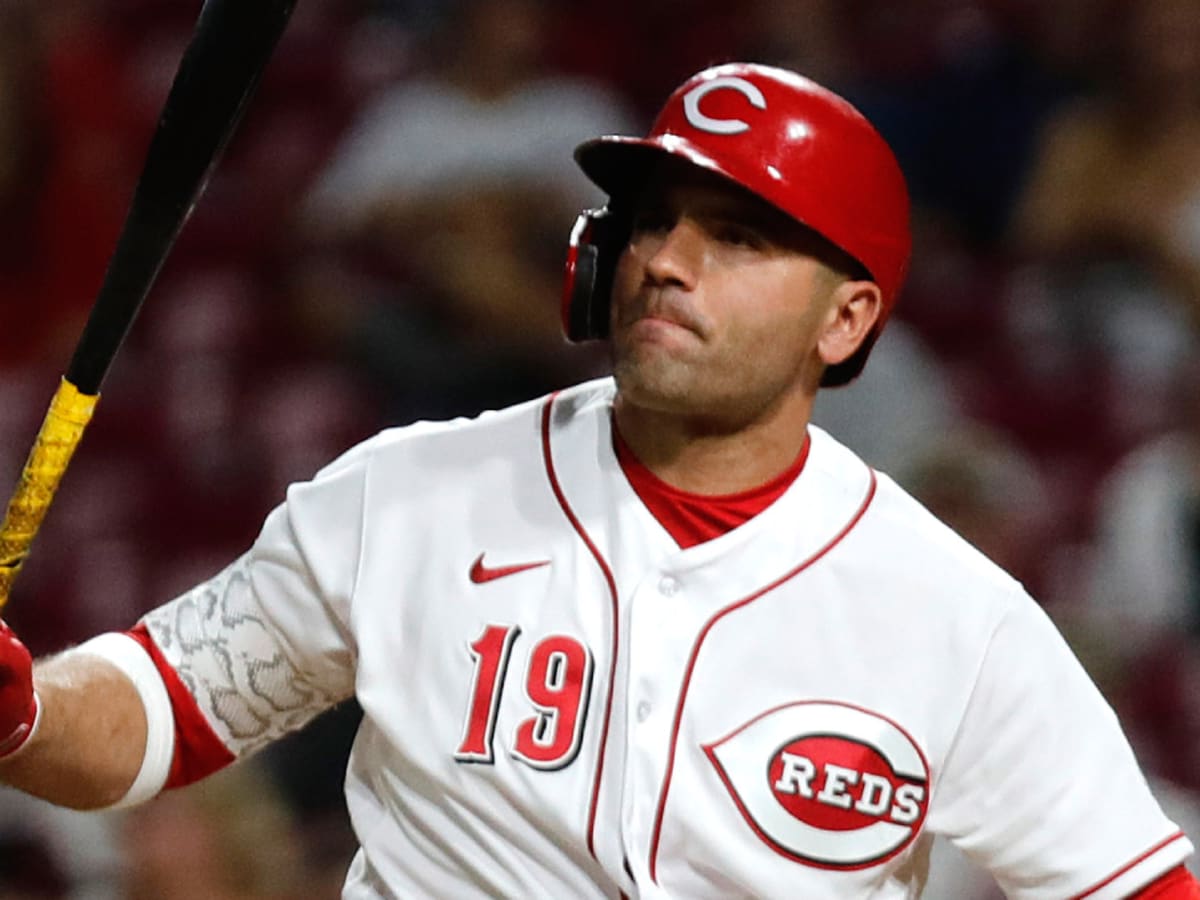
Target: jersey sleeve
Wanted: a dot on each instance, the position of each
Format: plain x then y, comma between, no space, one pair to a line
1040,786
266,645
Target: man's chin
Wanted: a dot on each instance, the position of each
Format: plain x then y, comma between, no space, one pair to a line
660,385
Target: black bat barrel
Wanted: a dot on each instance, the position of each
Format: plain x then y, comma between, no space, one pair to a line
219,71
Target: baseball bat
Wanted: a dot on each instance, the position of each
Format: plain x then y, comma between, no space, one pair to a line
220,67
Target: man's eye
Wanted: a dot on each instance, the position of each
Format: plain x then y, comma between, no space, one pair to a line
652,221
736,235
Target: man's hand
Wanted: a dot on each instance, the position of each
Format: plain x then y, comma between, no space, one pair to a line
18,705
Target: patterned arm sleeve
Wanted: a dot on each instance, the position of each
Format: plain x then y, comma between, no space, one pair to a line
225,654
265,646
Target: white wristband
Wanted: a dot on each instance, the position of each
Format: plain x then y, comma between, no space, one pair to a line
131,658
37,718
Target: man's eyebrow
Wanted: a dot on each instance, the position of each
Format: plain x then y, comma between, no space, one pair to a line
758,216
749,211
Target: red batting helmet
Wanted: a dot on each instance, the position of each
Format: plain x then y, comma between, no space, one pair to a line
797,145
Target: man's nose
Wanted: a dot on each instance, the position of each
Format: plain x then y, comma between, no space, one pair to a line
674,255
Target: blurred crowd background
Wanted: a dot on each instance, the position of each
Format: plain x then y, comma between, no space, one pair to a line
383,242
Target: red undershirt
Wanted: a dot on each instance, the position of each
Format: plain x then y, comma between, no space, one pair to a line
1177,884
695,518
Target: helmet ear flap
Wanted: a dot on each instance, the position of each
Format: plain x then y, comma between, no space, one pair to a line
596,243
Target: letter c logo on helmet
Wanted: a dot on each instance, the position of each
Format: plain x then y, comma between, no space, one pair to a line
691,105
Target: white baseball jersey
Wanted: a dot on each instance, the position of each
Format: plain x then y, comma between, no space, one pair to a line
560,702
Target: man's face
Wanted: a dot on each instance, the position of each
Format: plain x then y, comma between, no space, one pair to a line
718,302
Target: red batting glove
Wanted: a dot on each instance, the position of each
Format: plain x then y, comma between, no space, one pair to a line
18,703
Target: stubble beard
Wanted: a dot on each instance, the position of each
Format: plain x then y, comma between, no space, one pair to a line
656,381
660,383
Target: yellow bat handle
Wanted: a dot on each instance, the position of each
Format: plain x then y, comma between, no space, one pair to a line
69,413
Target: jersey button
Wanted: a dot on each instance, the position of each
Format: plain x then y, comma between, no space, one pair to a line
643,711
668,586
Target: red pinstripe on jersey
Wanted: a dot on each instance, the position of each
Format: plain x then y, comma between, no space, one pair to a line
552,477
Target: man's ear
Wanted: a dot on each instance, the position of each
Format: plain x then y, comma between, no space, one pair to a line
854,309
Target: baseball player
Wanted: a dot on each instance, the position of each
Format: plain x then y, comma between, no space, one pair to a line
654,635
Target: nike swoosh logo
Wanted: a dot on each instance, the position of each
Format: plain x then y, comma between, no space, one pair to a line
480,574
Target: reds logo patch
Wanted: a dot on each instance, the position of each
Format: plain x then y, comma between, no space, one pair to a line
827,784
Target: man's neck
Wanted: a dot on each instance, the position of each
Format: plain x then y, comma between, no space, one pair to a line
695,456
